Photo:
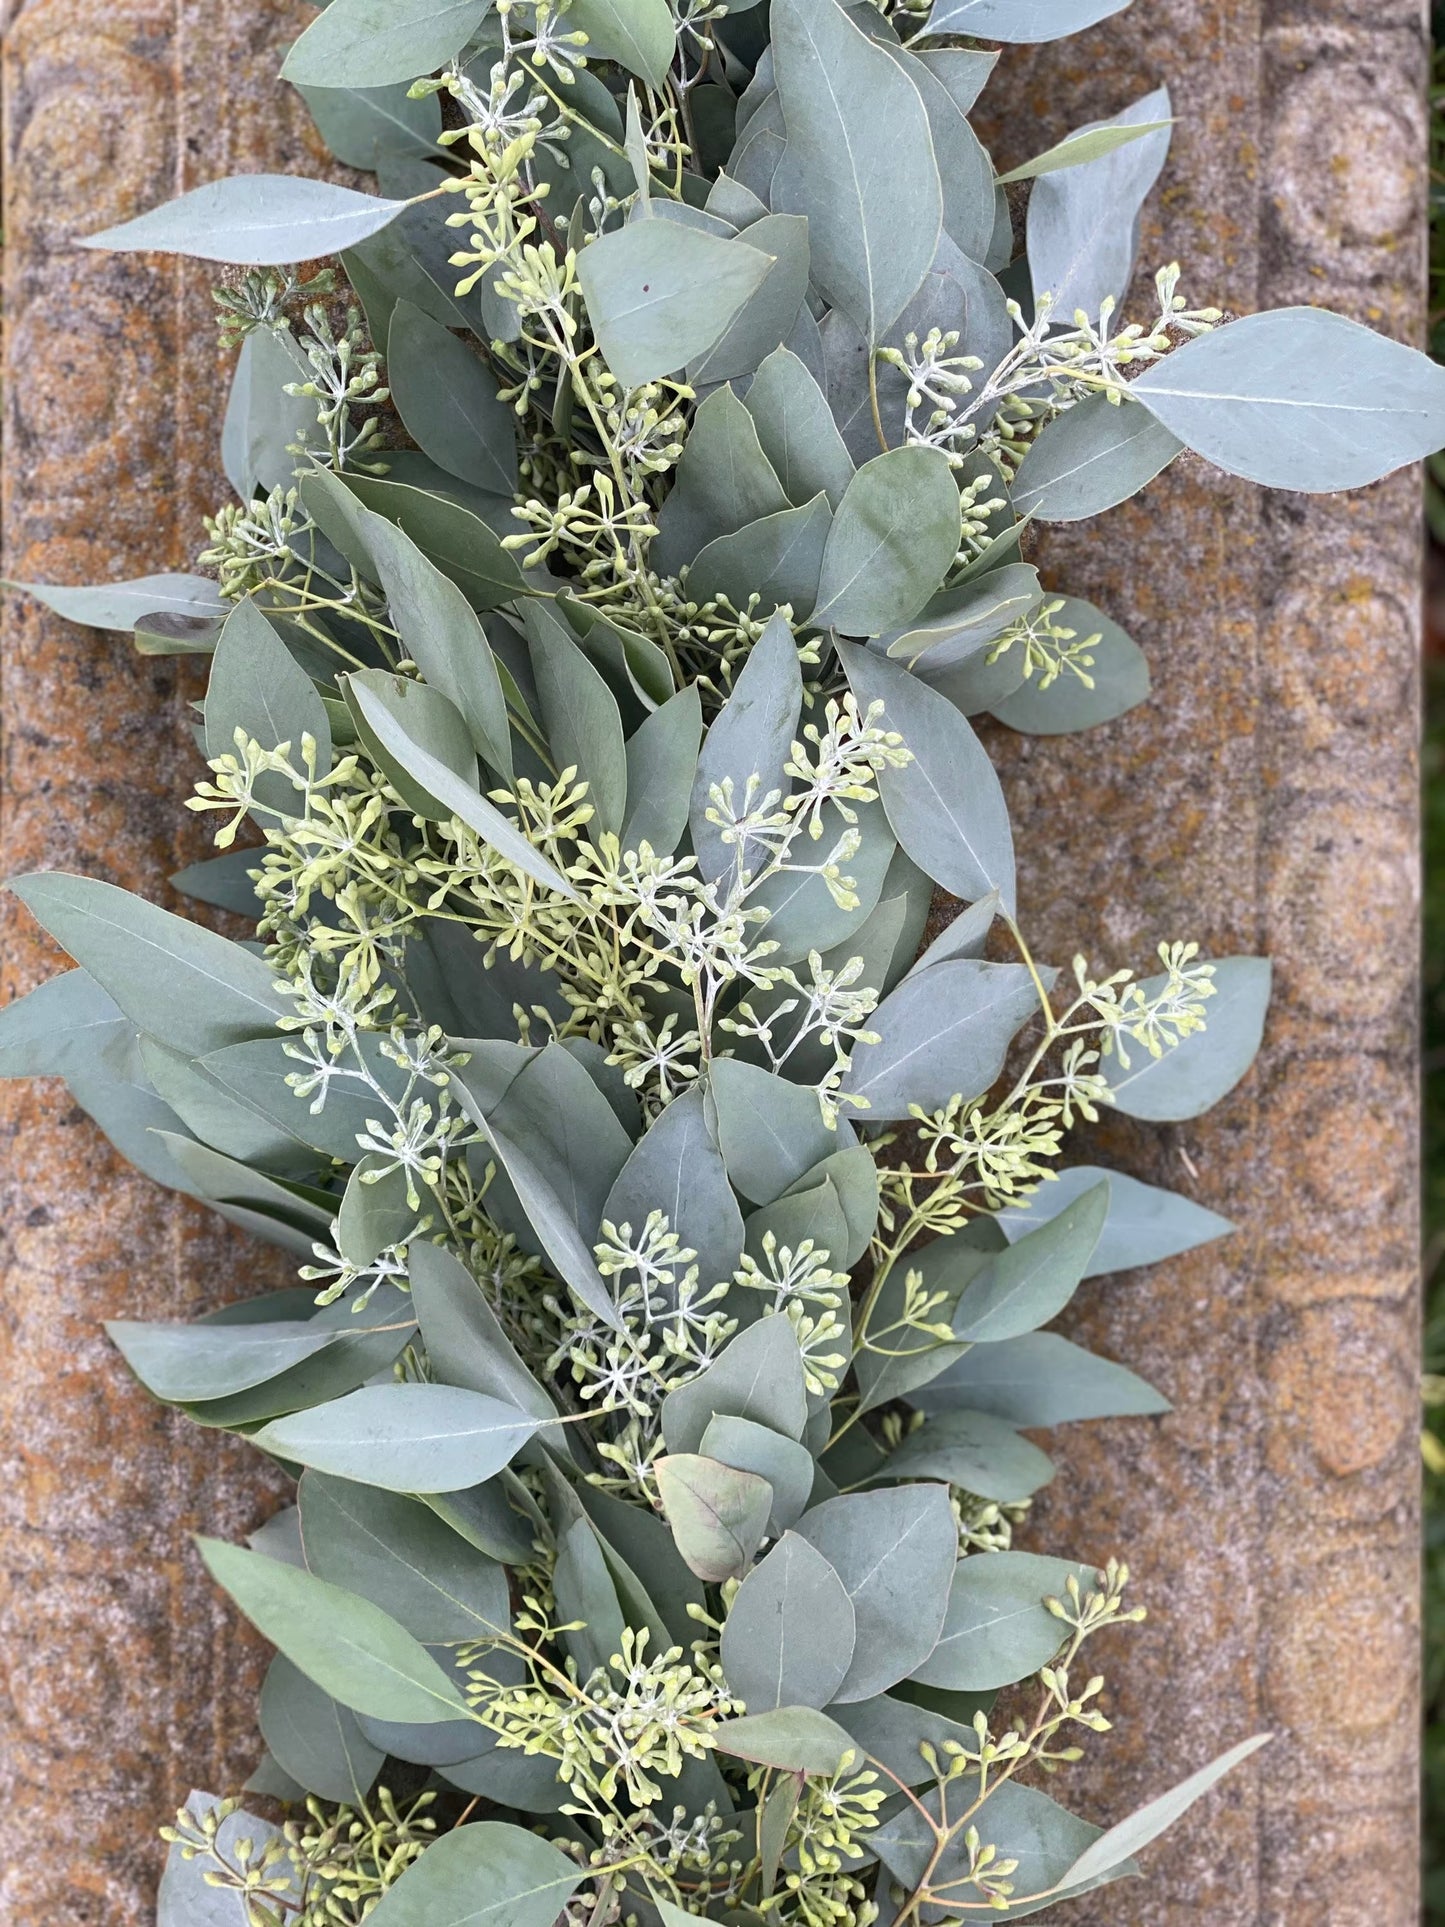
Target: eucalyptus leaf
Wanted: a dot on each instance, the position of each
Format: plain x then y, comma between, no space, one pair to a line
1118,679
718,1514
465,1342
121,605
1040,1379
405,1437
369,43
196,989
639,34
187,1900
945,804
796,430
942,1034
1196,1072
361,124
974,1450
959,622
868,182
583,723
723,483
894,1551
751,738
786,1464
771,1131
440,631
659,295
778,558
397,1553
1090,458
257,220
256,687
766,318
312,1738
677,1167
892,1732
448,400
183,1363
449,795
758,1375
488,1874
1082,222
662,758
1087,145
1030,1283
460,543
1033,1833
1144,1223
1019,20
1141,1829
795,1739
998,1629
788,1638
262,421
1299,399
350,1648
891,543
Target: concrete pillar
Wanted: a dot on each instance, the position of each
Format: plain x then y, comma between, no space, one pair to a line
1264,801
123,1680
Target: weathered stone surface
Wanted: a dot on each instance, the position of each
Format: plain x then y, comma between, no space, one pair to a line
1264,801
125,1679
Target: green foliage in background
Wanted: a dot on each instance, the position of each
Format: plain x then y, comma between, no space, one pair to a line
677,1244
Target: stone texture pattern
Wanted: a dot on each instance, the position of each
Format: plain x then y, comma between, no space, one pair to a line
125,1680
1264,802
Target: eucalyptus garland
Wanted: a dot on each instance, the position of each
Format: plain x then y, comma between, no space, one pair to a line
676,1243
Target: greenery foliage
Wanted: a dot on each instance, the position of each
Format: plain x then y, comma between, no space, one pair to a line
676,1241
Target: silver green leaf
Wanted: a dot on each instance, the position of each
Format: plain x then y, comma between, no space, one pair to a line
658,295
448,401
1039,1379
788,1638
405,1437
1030,1283
1023,21
350,1648
194,988
255,220
795,1739
396,1552
1090,458
661,768
998,1629
892,541
362,124
488,1874
718,1514
1083,221
256,686
1144,1223
945,805
1202,1068
640,35
371,43
894,1552
868,181
1299,399
1112,1849
943,1034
